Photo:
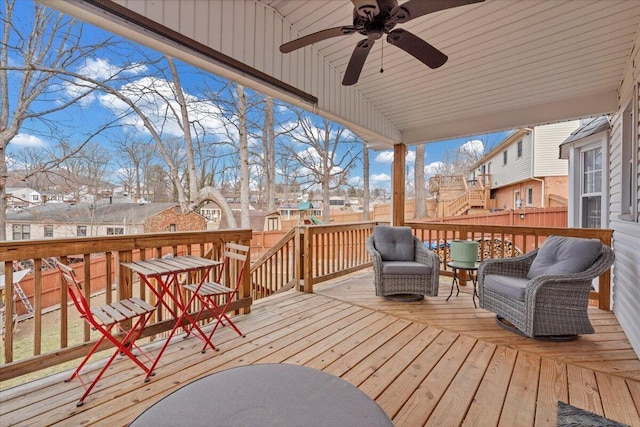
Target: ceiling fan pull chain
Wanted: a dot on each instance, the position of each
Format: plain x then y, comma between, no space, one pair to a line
382,56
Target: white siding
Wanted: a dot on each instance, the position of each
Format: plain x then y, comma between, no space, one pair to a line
626,234
547,142
252,32
517,168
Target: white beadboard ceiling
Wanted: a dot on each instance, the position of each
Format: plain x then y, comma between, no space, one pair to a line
512,63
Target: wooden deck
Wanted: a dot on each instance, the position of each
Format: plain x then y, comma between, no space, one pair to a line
425,363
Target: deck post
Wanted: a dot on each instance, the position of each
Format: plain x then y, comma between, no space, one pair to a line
245,286
298,257
307,261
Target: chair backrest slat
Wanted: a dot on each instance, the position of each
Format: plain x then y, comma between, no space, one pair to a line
75,290
239,253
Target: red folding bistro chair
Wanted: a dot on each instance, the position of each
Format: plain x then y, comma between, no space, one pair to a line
104,319
215,297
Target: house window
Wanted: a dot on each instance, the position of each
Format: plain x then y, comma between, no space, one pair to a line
517,201
35,198
81,230
114,230
519,148
272,224
504,157
529,196
591,188
21,232
629,196
173,227
48,231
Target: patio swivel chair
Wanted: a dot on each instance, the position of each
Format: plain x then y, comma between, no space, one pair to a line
403,268
216,297
107,319
544,294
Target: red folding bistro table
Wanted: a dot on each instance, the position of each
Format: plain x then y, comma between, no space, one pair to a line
167,271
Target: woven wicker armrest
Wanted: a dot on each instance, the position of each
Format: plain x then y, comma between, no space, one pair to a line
513,267
376,258
423,256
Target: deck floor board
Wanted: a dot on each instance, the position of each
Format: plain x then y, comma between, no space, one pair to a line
425,363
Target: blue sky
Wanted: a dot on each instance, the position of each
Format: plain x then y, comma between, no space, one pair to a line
98,107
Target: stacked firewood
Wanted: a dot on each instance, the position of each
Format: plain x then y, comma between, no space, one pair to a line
487,248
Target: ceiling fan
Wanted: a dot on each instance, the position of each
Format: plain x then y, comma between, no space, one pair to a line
374,18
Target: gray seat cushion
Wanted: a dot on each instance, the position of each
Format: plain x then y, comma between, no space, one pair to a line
394,243
564,255
405,267
510,287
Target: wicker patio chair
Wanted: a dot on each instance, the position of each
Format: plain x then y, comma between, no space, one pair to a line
404,269
544,294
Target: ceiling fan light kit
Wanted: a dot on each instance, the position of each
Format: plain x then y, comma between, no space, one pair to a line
374,19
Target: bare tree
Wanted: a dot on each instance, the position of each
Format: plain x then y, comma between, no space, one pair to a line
420,209
134,161
365,181
52,44
326,155
268,154
244,156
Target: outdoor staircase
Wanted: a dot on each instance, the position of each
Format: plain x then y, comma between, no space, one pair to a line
470,199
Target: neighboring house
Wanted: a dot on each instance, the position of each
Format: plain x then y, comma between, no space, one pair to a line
212,212
59,220
299,210
52,196
259,220
587,151
524,170
23,196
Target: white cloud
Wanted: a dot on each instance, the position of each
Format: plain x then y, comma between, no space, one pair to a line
474,147
356,181
384,157
387,157
102,69
410,157
432,168
24,140
150,95
98,69
378,178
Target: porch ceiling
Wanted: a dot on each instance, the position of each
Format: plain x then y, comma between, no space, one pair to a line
511,63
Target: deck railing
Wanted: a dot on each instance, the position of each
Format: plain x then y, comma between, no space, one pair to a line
505,241
306,256
115,282
330,251
275,270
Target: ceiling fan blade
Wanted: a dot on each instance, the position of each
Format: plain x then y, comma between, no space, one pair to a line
316,37
418,48
415,8
358,57
366,8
